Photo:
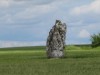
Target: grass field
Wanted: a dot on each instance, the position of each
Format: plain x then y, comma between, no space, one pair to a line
33,61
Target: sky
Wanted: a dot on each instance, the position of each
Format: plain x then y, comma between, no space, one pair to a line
28,22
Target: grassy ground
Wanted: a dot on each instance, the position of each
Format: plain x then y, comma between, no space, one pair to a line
33,61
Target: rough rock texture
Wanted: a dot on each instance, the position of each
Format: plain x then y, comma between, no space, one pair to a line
56,40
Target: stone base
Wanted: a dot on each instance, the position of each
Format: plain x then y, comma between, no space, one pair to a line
55,54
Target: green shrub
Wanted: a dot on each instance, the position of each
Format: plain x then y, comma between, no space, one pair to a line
95,39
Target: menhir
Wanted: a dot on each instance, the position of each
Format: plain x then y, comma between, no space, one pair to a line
56,40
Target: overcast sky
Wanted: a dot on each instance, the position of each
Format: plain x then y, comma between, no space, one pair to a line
28,22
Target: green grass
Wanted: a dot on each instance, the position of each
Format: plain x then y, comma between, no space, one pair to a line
33,61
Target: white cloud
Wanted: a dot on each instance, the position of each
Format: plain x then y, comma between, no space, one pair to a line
33,11
6,19
5,3
29,9
84,34
93,7
93,27
76,23
19,44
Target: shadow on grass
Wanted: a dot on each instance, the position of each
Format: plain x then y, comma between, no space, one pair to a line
66,57
45,57
80,57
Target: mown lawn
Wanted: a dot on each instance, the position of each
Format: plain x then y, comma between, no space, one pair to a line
77,61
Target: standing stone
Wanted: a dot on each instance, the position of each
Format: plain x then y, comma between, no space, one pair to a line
56,40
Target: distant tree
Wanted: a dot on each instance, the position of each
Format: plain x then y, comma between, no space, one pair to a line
95,39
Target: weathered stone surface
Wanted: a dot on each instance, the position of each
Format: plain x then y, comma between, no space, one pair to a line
56,40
